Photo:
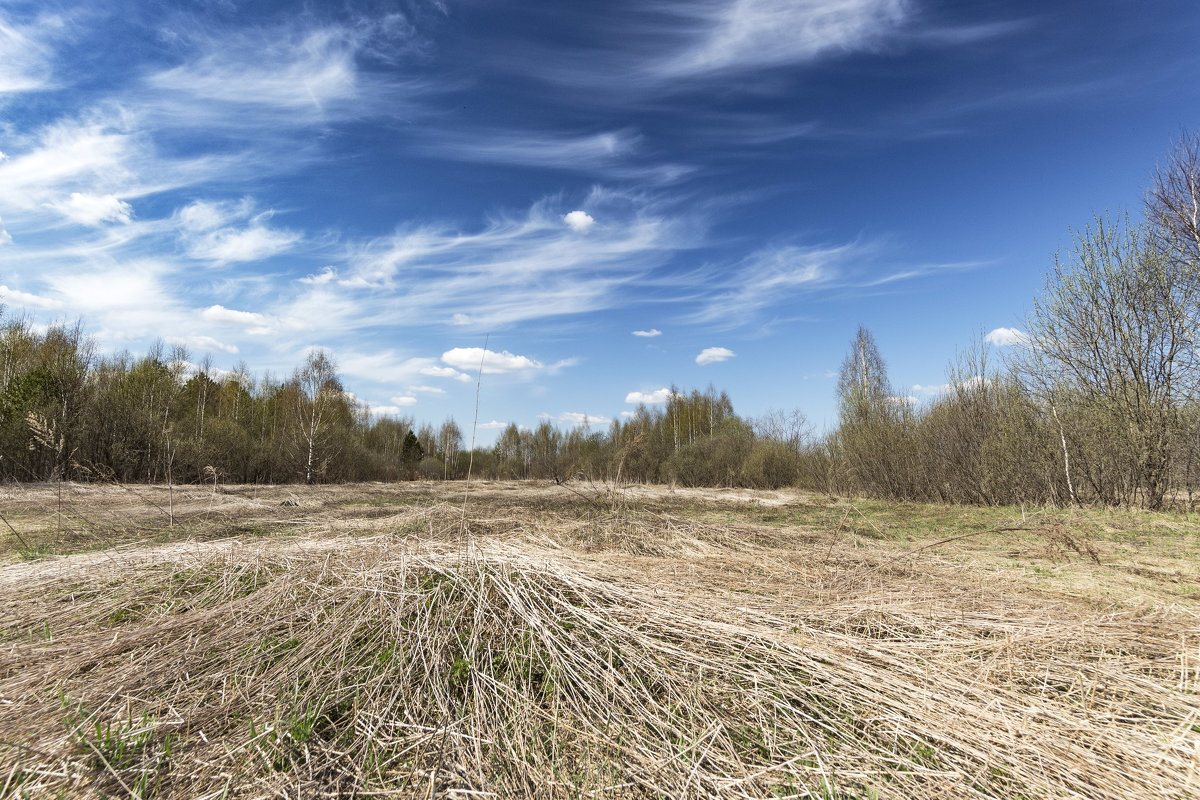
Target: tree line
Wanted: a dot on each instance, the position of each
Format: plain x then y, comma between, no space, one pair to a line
1098,404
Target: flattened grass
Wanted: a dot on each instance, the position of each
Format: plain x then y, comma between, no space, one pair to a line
564,647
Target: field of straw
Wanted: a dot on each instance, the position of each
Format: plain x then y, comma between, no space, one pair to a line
587,641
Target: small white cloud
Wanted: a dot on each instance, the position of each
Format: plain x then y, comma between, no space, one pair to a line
650,334
427,389
714,355
657,397
325,276
404,400
445,372
460,319
5,237
93,209
579,220
470,358
1006,337
27,300
255,324
628,414
385,411
494,425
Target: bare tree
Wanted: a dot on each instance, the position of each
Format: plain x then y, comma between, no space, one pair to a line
449,442
1112,348
1173,204
863,383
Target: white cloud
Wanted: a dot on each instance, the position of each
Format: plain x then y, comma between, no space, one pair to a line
299,72
559,366
252,244
135,290
578,220
25,54
655,398
494,425
5,236
460,319
486,275
96,155
204,344
598,152
931,391
404,400
1006,337
209,236
446,372
255,324
427,389
92,209
202,216
648,334
714,355
753,34
469,358
770,276
325,276
27,300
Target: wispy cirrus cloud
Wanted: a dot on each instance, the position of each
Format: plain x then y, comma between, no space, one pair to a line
27,52
286,75
228,232
771,276
91,156
776,275
518,266
580,152
752,34
674,46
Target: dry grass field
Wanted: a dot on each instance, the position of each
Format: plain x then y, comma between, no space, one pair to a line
589,641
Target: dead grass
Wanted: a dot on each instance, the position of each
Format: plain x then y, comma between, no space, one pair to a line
638,643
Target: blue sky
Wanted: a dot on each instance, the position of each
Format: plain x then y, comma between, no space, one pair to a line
397,182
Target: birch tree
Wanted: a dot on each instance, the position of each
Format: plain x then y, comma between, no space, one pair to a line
319,389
